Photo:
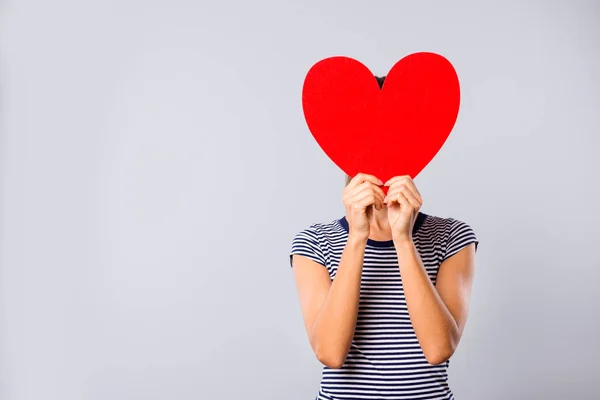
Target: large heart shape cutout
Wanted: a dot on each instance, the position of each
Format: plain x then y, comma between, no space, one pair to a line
389,132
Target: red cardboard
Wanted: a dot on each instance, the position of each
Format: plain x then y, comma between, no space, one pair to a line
389,132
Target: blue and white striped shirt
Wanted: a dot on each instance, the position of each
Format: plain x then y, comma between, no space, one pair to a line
385,360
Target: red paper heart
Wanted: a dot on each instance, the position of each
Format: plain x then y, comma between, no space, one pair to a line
389,132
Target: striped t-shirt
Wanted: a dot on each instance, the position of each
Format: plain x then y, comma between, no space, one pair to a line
385,360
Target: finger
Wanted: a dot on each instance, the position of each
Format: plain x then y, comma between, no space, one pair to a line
415,190
392,197
380,195
408,180
407,204
407,184
360,178
369,192
410,196
404,203
367,187
393,194
396,179
353,191
363,200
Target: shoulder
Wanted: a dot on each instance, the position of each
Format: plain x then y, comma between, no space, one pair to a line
321,230
446,224
453,233
314,240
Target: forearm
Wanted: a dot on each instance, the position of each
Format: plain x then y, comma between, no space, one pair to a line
432,321
334,326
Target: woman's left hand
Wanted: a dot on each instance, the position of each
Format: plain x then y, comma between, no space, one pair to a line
403,201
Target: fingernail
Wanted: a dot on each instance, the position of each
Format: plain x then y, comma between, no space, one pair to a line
379,180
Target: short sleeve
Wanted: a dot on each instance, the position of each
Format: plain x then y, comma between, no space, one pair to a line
306,243
461,235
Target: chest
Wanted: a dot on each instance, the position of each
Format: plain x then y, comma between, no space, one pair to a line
381,272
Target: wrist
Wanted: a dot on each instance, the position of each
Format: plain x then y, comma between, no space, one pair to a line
403,241
357,239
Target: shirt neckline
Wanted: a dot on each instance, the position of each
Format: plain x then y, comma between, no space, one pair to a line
385,243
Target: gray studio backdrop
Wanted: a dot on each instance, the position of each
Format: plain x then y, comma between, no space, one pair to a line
155,165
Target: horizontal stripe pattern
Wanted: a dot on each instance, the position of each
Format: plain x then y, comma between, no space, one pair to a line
385,360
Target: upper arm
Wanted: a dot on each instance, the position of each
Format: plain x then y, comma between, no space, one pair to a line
310,273
454,282
312,282
455,274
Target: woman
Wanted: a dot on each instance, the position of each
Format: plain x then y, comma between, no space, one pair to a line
384,292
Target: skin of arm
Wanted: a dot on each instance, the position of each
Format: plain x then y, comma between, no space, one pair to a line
438,313
330,308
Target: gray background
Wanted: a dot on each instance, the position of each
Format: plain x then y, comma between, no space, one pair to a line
155,165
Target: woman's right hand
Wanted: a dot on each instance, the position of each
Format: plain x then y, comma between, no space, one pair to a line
359,197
